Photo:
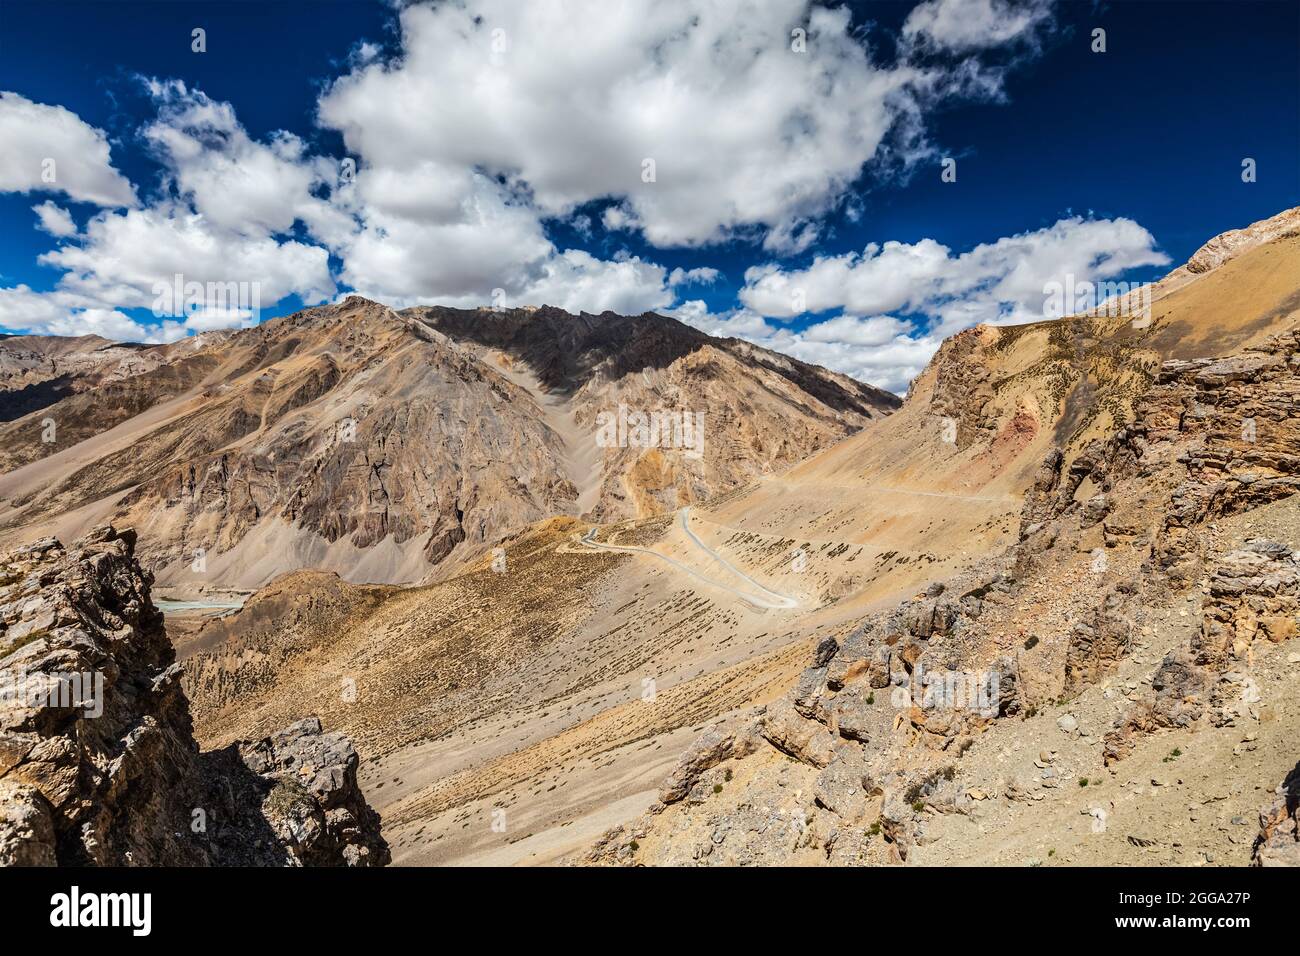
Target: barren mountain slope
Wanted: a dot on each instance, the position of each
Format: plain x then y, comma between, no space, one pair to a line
1142,602
525,689
355,439
38,370
1014,391
339,437
761,411
82,414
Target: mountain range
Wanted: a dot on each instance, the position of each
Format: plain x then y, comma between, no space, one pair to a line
385,445
548,642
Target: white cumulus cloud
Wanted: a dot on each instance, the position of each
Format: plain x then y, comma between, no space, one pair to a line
965,25
699,121
54,219
878,349
122,257
236,183
51,149
1000,281
941,293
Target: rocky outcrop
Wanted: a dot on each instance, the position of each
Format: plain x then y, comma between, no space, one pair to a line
314,806
707,752
963,389
873,730
1254,595
1238,418
1225,433
1235,424
1099,643
883,687
1176,699
1228,245
98,762
1278,843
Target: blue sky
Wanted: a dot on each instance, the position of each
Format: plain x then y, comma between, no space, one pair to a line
512,161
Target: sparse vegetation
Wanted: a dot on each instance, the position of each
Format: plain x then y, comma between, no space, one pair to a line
286,795
16,643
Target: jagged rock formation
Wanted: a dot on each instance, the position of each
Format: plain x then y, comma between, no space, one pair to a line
856,760
384,445
98,763
1278,843
36,370
1225,246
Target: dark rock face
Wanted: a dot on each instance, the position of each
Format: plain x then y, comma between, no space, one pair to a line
98,762
1278,843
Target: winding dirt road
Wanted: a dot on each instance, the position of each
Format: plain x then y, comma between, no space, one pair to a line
767,598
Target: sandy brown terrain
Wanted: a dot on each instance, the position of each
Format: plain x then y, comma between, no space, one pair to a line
1141,709
535,690
391,447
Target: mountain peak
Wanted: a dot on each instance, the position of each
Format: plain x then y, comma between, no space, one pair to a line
1230,244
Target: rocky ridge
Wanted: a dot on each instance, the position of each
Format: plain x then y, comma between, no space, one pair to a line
98,762
1279,826
391,447
35,369
761,411
860,758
